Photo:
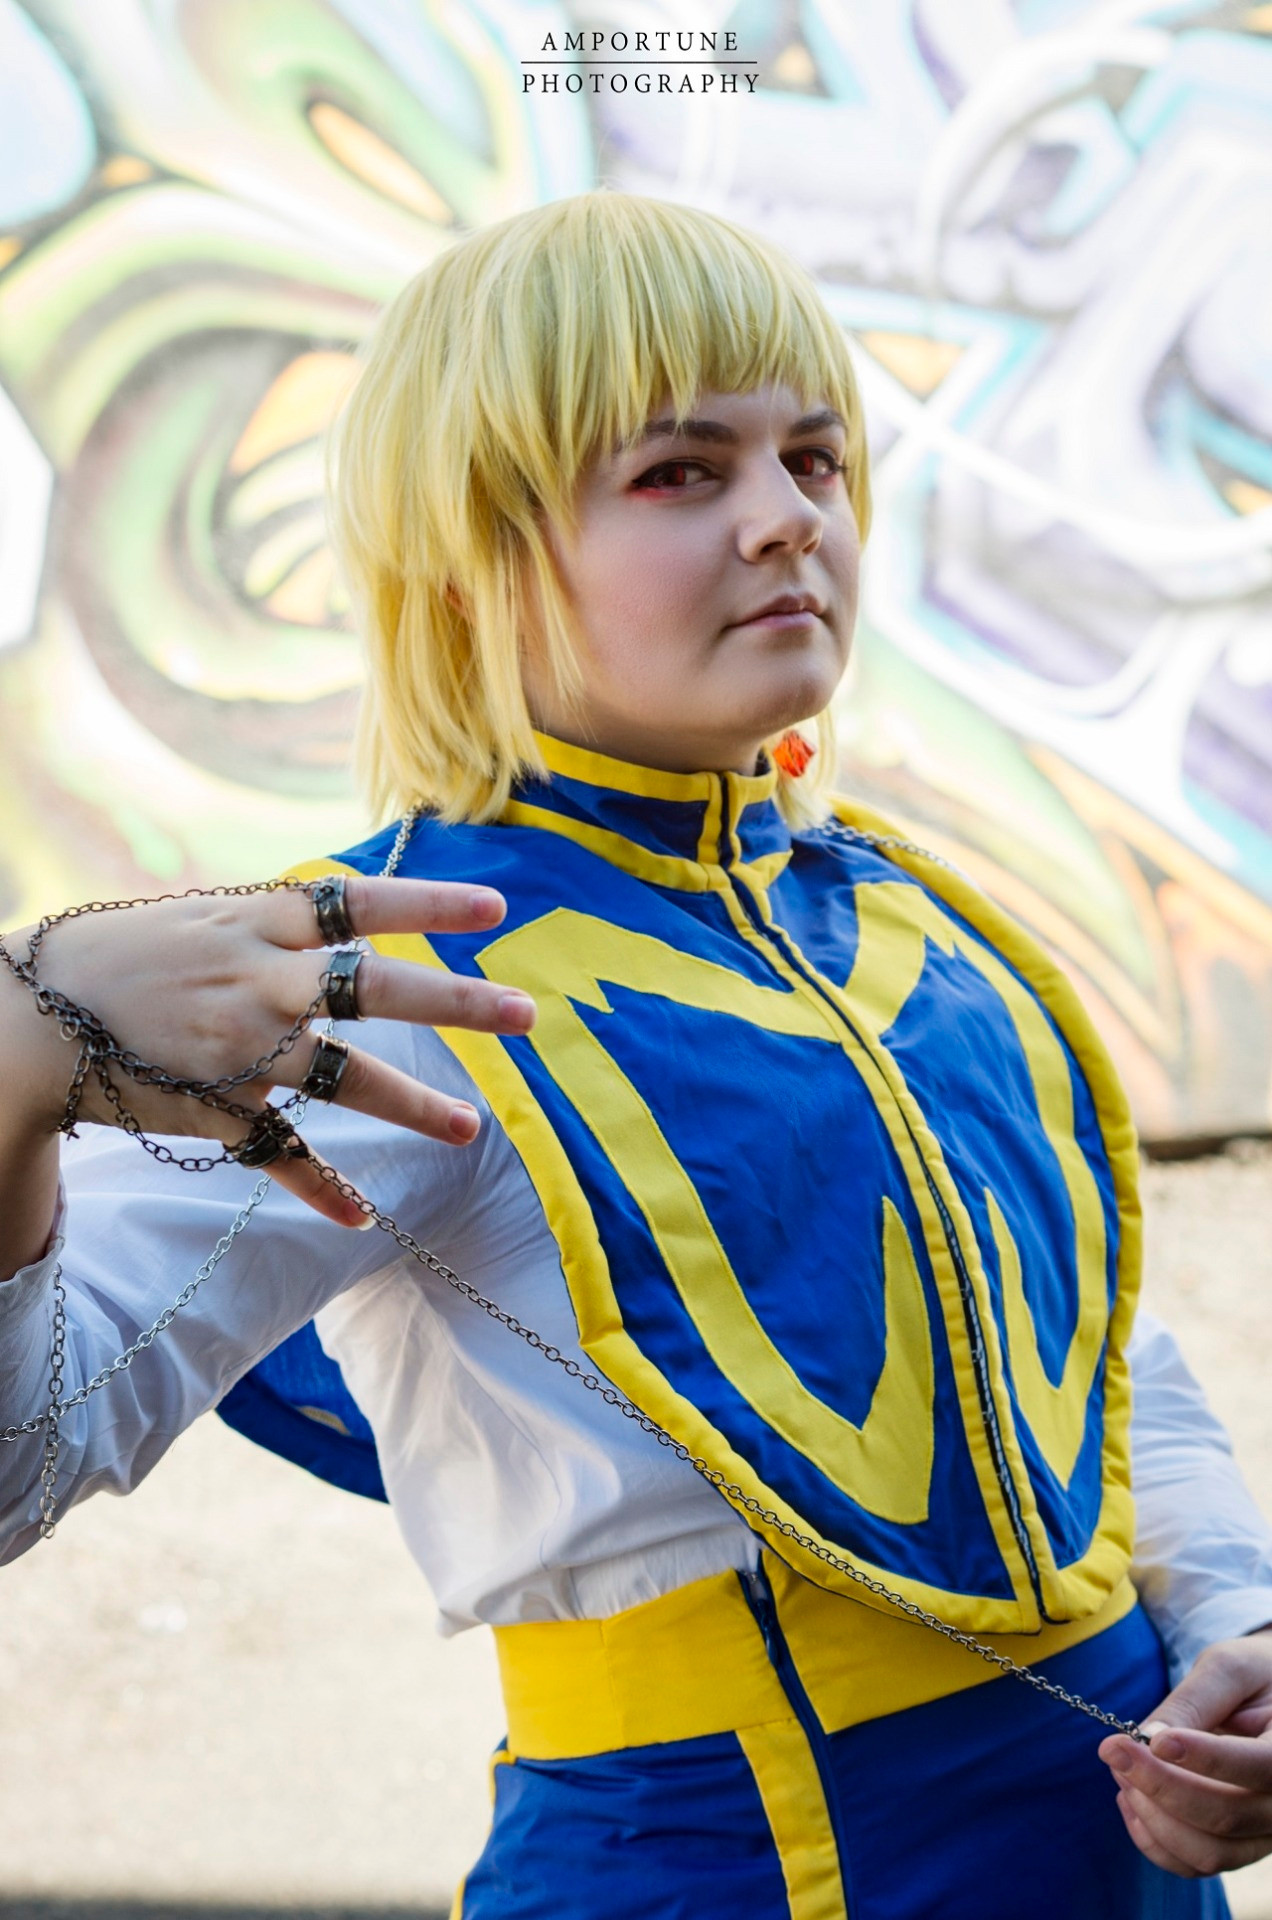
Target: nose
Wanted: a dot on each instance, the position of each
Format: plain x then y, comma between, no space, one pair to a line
775,514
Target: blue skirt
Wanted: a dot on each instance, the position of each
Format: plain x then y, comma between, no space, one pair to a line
989,1804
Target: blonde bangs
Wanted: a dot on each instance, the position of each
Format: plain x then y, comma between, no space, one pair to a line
491,382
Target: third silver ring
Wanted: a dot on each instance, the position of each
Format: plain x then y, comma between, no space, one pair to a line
340,981
326,1069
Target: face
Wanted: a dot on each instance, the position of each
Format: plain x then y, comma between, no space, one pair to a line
684,542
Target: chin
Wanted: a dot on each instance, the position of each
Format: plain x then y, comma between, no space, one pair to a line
802,698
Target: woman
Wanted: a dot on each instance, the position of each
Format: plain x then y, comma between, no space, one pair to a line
777,1133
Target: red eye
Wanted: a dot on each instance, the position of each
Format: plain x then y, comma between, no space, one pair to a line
829,468
670,474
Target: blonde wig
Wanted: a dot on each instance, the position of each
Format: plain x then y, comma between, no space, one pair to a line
488,386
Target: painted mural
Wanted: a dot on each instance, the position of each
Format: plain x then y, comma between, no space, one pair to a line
1045,226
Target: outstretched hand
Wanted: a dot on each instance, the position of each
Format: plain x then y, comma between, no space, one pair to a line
204,985
1198,1800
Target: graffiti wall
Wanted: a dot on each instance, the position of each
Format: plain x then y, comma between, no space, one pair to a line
1044,225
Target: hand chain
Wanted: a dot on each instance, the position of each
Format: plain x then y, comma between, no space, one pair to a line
593,1383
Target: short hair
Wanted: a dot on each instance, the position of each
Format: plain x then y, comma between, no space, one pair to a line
488,385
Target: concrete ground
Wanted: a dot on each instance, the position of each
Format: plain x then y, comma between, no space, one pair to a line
225,1693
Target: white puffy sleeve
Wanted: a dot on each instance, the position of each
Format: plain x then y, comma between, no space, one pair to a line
130,1233
1203,1551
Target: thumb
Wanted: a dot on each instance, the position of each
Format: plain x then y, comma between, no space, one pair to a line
1222,1680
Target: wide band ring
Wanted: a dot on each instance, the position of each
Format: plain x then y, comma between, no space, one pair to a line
271,1135
335,928
326,1069
340,982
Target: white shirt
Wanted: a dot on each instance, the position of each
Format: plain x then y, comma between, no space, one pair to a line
521,1495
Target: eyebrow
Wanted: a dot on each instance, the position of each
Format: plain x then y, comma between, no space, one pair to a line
717,432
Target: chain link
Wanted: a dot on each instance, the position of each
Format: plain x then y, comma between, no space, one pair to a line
49,1422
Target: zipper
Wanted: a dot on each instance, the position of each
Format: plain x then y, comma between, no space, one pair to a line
971,1312
759,1597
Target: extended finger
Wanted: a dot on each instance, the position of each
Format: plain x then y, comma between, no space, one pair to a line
1198,1851
377,905
1212,1804
299,1174
404,990
304,1179
368,1085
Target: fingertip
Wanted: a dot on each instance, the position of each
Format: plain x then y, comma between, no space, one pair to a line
518,1011
465,1123
487,906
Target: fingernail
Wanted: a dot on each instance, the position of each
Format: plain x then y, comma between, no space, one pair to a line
518,1008
484,901
1168,1746
464,1122
1120,1761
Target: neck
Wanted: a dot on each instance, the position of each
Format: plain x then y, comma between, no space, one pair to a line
665,752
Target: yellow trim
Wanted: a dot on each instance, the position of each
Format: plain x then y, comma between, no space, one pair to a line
763,872
649,783
794,1800
693,1663
709,839
623,776
501,1757
660,869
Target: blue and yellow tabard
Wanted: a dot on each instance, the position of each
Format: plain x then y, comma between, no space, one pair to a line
843,1182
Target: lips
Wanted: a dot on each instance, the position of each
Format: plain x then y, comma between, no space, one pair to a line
785,603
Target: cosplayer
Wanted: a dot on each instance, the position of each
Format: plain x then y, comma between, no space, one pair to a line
796,1167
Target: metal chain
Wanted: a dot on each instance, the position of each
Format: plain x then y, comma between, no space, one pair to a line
572,1368
52,1436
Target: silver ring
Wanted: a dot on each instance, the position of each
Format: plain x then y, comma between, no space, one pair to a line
326,1069
271,1135
340,981
335,928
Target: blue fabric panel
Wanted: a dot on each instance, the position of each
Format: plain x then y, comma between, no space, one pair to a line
266,1406
677,1831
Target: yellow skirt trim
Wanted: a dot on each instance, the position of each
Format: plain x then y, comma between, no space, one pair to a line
694,1663
795,1805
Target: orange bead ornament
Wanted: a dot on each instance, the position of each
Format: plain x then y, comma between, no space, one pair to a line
793,754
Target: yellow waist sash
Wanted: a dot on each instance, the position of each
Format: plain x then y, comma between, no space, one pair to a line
694,1663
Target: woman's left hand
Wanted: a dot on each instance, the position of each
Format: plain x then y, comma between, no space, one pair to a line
1199,1800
